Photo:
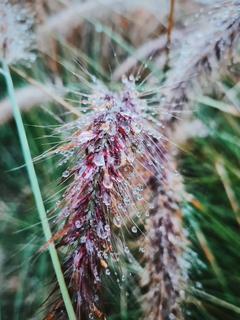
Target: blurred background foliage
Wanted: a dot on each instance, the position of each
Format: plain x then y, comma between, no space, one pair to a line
111,38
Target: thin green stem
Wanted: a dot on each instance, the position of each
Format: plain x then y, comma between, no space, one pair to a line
37,193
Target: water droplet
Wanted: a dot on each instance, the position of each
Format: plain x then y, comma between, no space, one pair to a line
139,197
147,214
131,78
124,79
77,224
141,250
83,239
107,272
175,172
134,94
134,229
91,316
138,214
126,200
135,191
123,278
182,293
114,256
172,317
105,256
107,182
137,127
65,174
99,159
139,187
105,126
131,157
107,227
126,249
32,57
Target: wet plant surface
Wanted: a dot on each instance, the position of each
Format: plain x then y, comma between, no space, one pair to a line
135,141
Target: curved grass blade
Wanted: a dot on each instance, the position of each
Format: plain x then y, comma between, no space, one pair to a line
37,193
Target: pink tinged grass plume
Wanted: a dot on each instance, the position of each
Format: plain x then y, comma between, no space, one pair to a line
116,159
165,269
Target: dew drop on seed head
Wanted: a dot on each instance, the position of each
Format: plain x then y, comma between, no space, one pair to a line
137,127
135,191
134,229
131,78
107,182
175,172
139,197
147,214
107,227
107,272
105,126
126,250
126,200
83,239
138,214
77,224
99,159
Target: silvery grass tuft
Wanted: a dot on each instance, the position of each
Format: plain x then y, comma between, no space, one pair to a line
208,51
16,36
117,163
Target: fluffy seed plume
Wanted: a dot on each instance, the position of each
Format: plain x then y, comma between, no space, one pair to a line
211,48
16,37
164,245
116,158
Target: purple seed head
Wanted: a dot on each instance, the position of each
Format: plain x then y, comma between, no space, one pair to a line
115,155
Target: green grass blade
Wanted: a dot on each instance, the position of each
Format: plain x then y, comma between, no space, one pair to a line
37,193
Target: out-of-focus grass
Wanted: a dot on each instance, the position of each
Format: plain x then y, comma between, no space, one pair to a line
211,173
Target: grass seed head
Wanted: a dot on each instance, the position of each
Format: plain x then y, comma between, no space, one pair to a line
115,160
16,36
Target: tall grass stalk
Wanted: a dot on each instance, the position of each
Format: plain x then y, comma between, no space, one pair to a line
37,193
